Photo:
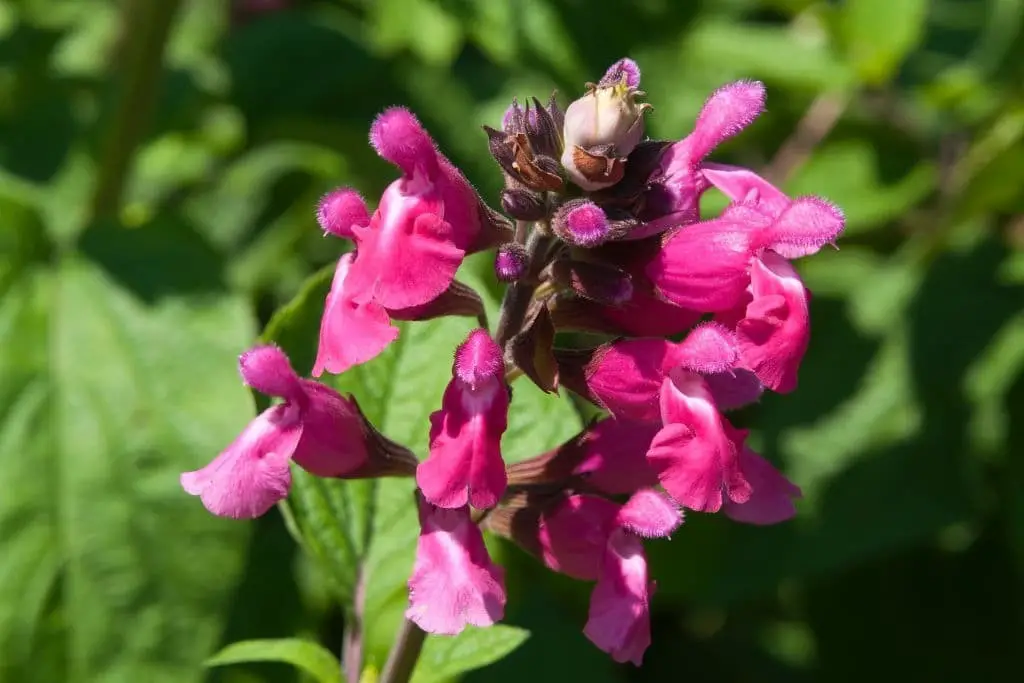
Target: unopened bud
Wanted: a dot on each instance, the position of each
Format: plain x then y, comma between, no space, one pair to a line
340,210
523,205
511,262
603,127
582,223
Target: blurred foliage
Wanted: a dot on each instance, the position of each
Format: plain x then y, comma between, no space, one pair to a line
158,167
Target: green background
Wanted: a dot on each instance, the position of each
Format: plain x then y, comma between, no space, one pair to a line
159,167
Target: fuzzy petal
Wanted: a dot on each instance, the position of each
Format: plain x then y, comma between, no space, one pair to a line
645,315
650,514
268,370
771,500
807,224
709,348
350,333
251,474
340,210
399,137
454,583
333,440
620,622
774,334
726,112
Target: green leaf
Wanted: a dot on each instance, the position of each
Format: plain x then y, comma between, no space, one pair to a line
310,657
879,34
474,648
110,571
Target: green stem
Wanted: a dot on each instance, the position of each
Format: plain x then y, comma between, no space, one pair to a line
404,654
145,28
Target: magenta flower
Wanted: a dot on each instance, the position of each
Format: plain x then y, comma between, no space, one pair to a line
771,496
454,583
696,453
315,426
594,539
465,464
425,223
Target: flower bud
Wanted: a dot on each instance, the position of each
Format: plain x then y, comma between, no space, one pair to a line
595,281
523,205
511,262
603,127
581,222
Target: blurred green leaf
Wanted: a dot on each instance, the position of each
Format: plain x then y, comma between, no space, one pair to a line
474,648
106,400
878,34
311,658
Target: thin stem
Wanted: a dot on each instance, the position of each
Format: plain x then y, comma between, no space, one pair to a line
516,301
352,643
815,125
404,654
145,28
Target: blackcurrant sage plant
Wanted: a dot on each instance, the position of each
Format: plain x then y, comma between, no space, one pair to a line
599,232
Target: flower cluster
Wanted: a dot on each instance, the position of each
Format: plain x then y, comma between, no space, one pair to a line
600,232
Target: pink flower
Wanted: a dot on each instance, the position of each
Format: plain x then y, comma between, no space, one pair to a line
772,495
425,223
592,538
465,463
626,376
454,583
340,210
773,334
350,332
674,189
696,453
315,426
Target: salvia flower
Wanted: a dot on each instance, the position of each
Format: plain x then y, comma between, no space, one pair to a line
691,317
465,464
316,427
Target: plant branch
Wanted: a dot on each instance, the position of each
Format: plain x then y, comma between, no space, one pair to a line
815,125
145,28
352,643
404,654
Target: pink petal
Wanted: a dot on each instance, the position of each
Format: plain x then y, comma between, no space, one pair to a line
625,70
693,454
350,333
399,137
406,255
771,500
708,348
340,210
729,110
743,185
454,583
808,224
613,455
251,474
267,370
705,266
626,376
333,441
619,622
573,535
775,333
465,463
650,514
478,359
